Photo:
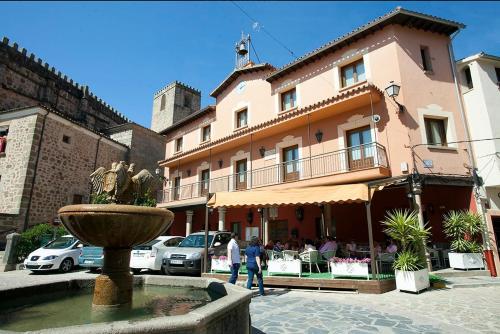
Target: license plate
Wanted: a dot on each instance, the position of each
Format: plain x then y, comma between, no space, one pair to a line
176,261
138,255
88,261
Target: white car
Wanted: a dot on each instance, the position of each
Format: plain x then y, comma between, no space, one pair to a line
150,255
59,254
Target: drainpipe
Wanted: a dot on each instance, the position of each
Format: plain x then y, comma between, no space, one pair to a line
26,218
488,253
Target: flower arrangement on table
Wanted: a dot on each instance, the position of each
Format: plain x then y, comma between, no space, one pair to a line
349,260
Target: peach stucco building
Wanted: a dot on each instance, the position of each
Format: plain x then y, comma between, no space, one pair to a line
325,120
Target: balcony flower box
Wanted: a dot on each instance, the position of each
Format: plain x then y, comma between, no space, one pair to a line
413,281
466,260
281,266
349,267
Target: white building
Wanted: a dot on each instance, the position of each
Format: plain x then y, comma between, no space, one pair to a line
480,84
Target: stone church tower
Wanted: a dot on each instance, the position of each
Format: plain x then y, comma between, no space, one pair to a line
173,103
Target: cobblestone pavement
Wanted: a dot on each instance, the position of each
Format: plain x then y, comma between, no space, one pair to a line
465,310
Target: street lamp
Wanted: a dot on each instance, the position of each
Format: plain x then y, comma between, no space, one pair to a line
393,91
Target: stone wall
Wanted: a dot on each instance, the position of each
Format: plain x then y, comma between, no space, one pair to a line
27,81
17,168
64,167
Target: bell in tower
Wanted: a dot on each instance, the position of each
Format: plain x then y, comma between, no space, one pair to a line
242,54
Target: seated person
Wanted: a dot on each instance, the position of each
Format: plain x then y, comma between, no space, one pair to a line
277,246
391,247
270,245
308,246
329,245
351,247
378,248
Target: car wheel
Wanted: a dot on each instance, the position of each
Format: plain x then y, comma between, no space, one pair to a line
66,265
136,271
164,271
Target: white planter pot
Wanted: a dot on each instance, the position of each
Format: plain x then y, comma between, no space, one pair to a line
349,269
413,281
466,260
281,266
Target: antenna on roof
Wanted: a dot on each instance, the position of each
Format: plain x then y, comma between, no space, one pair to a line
241,48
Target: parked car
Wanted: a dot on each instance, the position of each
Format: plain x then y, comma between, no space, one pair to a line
91,257
186,258
60,254
150,254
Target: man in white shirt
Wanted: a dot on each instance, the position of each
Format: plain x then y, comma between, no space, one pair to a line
233,256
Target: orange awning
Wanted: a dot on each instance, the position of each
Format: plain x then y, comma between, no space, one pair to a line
346,193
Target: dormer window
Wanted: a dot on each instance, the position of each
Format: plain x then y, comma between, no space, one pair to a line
205,134
178,145
288,99
426,58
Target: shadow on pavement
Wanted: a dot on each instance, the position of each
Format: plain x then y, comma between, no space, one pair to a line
257,331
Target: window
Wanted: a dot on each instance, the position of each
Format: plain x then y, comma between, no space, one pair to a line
205,182
497,72
205,133
241,118
436,131
177,187
290,163
66,139
3,139
468,78
426,58
353,73
187,101
178,144
360,150
172,242
288,99
77,199
163,101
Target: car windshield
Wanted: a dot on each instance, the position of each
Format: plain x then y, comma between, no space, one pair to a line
61,243
197,240
146,246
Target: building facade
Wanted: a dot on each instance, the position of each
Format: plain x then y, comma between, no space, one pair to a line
480,86
326,119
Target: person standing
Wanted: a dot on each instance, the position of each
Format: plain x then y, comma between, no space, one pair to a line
254,265
233,256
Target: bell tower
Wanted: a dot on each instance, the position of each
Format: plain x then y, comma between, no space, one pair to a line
242,48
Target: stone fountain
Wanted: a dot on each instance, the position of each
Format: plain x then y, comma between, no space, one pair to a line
117,227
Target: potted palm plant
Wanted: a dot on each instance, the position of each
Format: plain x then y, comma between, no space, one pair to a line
409,265
464,229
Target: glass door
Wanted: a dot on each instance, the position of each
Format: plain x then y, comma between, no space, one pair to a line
290,163
205,182
360,149
177,188
241,174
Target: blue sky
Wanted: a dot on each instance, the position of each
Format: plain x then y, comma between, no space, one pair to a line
125,51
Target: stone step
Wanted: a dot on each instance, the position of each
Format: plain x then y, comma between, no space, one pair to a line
472,282
449,272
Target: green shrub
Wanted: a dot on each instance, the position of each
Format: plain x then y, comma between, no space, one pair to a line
35,237
464,229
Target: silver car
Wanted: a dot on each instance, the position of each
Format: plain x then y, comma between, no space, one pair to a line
186,258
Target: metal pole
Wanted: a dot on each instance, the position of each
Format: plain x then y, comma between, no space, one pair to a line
251,164
205,253
370,238
309,142
417,191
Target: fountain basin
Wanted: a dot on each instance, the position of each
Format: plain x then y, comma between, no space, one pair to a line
227,314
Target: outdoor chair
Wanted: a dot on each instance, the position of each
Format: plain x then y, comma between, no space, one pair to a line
290,255
384,263
435,261
445,258
310,258
272,255
326,256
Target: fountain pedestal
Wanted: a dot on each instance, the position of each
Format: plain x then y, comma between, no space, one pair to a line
116,228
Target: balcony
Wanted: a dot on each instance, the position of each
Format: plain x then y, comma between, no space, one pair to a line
353,164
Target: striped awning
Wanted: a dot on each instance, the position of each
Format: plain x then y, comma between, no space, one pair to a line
346,193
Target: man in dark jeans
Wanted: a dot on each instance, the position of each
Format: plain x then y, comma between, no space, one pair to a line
233,256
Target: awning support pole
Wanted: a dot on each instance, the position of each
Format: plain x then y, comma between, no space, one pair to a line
370,239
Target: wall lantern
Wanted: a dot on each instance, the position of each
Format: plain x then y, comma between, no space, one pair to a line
189,172
157,171
393,91
220,163
262,151
250,216
319,135
299,213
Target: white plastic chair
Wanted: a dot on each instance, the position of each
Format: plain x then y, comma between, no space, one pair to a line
310,258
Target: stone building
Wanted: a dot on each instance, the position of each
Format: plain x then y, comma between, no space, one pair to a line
173,103
53,134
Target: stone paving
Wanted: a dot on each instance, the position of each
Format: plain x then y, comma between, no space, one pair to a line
466,310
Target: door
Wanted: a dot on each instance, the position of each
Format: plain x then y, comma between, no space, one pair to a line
205,181
241,174
177,188
496,230
360,152
278,230
290,163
